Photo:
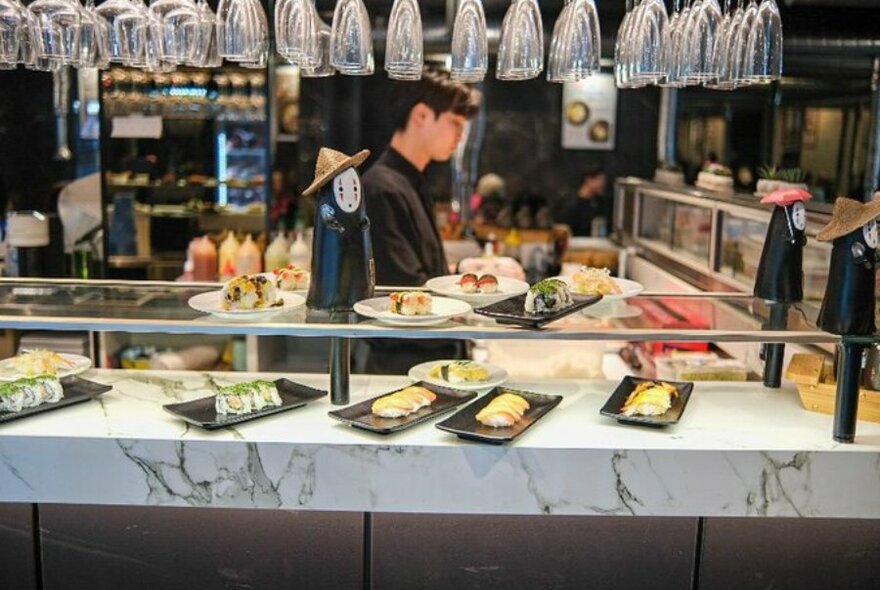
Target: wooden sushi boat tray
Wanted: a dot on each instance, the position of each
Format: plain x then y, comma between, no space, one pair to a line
818,389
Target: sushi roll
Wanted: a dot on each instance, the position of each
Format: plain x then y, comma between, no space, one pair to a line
503,411
234,399
264,394
291,278
411,303
487,284
460,372
249,292
30,392
547,296
468,283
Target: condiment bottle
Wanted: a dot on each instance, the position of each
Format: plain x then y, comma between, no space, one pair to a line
512,244
247,261
226,259
300,252
277,255
204,258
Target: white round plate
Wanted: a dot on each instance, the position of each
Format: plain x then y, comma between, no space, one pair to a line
442,309
448,287
627,287
8,371
421,372
210,302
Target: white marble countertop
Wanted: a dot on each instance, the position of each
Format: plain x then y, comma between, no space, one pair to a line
740,450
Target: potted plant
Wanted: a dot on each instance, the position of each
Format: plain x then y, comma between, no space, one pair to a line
669,173
771,178
715,177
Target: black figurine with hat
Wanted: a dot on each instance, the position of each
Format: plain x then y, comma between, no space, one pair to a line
780,277
848,306
343,270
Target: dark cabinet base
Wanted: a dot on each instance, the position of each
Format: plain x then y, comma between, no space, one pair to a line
134,548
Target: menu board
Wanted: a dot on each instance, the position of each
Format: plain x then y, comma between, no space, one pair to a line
589,113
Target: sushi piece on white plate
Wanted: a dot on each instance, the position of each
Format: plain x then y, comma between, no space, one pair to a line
411,303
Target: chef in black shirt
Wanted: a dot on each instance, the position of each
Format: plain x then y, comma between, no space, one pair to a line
588,205
429,118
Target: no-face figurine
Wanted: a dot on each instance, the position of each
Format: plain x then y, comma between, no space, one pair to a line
780,276
343,270
848,306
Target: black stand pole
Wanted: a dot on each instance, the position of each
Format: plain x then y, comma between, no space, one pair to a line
847,405
774,353
340,370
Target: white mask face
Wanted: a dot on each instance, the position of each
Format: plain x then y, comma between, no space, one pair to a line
869,231
347,190
799,215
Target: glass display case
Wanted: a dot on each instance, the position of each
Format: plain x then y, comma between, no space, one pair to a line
712,236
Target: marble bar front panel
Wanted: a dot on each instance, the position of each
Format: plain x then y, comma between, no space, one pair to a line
740,450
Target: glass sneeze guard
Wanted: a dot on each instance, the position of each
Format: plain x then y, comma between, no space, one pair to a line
141,306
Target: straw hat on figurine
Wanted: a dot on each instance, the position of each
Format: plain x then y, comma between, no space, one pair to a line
848,216
330,163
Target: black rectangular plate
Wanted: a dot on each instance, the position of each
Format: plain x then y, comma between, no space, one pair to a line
626,386
76,390
464,423
361,416
510,311
201,411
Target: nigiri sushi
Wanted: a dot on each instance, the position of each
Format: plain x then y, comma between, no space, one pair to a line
291,278
487,284
411,303
504,410
403,403
649,398
468,283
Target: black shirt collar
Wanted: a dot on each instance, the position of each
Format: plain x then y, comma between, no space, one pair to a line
394,160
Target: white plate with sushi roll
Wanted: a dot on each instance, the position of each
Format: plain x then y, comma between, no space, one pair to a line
460,374
412,308
598,281
43,362
478,290
212,303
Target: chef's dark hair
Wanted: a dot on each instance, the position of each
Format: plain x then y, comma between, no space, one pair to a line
591,171
438,92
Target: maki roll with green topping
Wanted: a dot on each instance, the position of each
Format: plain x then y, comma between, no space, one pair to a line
547,296
30,392
243,398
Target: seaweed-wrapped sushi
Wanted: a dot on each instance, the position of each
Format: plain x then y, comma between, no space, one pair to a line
547,296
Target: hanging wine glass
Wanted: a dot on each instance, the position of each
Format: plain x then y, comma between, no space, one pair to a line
578,52
521,50
740,73
647,46
555,57
672,38
55,27
704,23
765,44
13,19
470,46
351,43
722,50
296,35
324,68
404,58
